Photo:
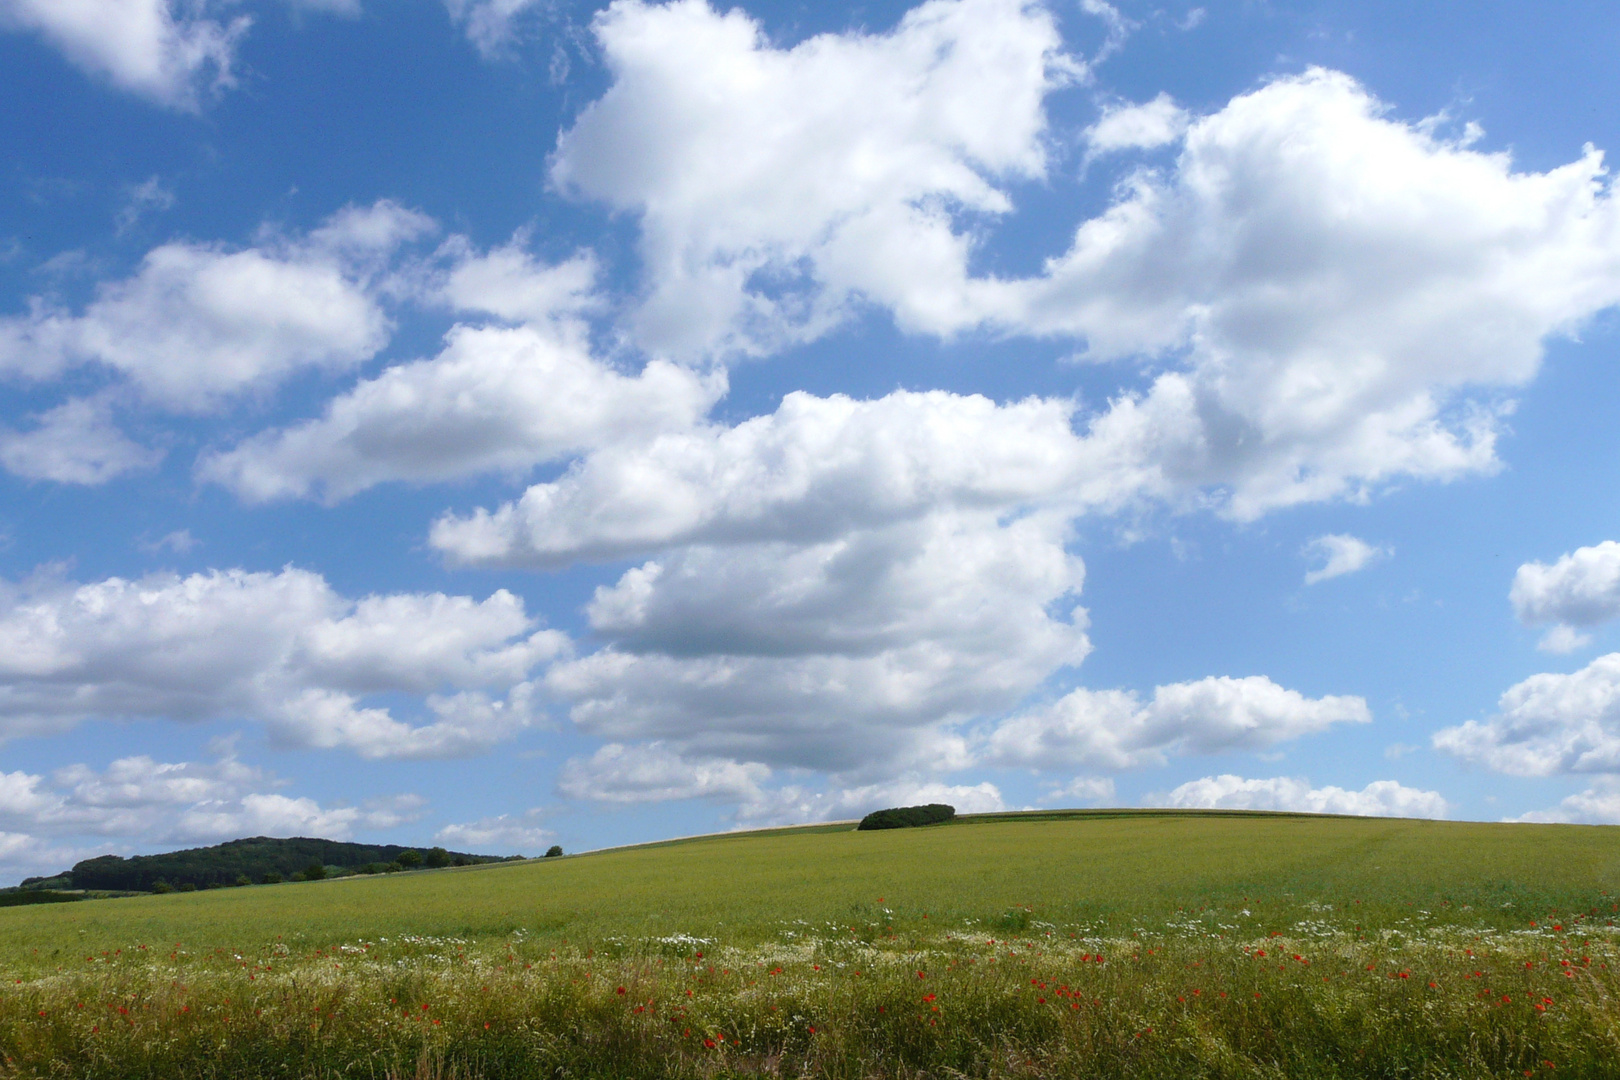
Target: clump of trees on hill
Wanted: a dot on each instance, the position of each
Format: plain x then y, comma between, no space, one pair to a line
257,859
18,897
907,817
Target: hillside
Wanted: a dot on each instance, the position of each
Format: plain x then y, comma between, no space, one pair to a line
229,863
1110,867
1154,946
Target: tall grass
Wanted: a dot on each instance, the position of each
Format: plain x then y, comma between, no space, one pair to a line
1140,948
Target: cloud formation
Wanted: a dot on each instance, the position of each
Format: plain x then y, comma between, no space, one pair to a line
48,822
1113,729
794,803
1148,126
519,389
810,471
1336,280
282,649
74,443
757,232
1328,288
1340,554
169,53
653,772
512,833
270,814
1548,725
1316,299
1597,805
1579,591
1381,798
854,655
657,772
497,399
197,325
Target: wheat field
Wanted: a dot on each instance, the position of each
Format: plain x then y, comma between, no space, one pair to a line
1106,944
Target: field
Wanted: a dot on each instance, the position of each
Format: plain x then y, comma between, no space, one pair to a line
1122,945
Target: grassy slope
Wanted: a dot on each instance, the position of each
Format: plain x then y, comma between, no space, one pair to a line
1238,947
1110,869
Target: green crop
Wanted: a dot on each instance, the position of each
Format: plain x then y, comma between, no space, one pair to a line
1106,944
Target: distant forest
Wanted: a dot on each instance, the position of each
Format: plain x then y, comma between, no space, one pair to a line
241,862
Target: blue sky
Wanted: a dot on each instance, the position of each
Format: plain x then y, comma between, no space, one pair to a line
499,423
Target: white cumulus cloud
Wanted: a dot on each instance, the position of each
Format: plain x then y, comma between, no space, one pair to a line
1597,805
198,324
144,802
167,51
1152,124
1547,725
511,833
857,653
23,855
652,772
1381,798
1579,591
658,772
498,398
140,784
1113,729
75,443
852,153
509,283
1561,640
811,470
268,815
1337,293
283,649
1337,281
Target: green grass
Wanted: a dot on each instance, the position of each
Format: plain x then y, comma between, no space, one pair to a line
335,972
746,887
